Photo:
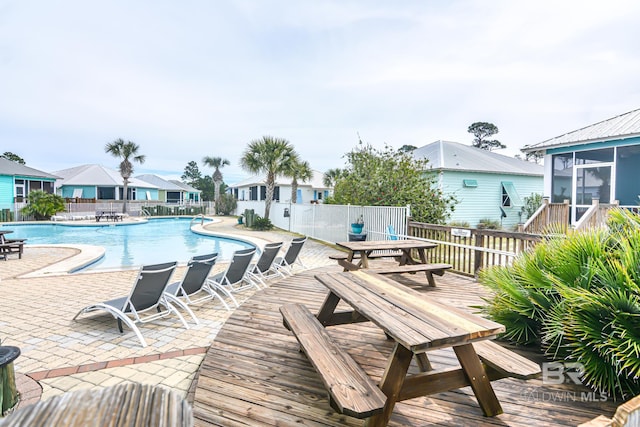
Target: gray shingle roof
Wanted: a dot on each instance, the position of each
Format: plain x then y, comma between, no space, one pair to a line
97,175
625,125
159,182
184,186
8,167
447,155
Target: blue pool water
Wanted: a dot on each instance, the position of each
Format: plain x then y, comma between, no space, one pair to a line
156,241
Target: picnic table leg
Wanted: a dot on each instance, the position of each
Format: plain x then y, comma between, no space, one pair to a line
328,307
479,380
423,362
391,383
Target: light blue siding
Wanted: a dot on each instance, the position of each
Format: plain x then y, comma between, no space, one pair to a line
6,191
88,191
485,200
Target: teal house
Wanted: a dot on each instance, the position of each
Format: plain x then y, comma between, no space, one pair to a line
486,185
16,181
598,162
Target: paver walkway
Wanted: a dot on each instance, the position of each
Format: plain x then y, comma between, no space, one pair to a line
63,355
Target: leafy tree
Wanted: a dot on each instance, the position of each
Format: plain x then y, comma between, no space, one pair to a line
191,174
13,157
217,163
331,176
482,131
407,148
391,178
534,156
531,204
127,151
43,205
272,156
205,184
300,170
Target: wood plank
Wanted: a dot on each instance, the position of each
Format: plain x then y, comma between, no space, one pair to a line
350,388
266,381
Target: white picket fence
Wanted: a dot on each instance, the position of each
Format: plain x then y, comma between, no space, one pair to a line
331,223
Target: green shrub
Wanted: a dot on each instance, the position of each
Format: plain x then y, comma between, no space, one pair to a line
488,224
464,224
43,205
261,224
578,298
226,204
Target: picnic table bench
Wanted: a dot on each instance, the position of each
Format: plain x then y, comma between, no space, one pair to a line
10,246
418,324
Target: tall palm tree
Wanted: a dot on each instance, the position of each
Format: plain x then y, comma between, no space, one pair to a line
268,155
331,176
217,163
298,171
127,151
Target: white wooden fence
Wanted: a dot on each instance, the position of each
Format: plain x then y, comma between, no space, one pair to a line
331,223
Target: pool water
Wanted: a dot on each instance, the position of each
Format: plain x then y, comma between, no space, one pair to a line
156,241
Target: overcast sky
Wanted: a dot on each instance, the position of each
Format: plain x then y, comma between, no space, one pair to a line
187,79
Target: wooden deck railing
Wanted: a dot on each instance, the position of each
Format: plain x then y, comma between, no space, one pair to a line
548,215
595,216
468,249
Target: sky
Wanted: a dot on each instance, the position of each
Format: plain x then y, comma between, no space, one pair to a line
188,79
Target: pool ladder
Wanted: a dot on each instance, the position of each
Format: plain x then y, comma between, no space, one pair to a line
201,216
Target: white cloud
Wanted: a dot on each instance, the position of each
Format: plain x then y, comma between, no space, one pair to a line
197,78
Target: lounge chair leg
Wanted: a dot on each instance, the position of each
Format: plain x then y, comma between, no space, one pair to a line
184,306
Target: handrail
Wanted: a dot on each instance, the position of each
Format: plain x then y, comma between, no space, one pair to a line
201,216
145,212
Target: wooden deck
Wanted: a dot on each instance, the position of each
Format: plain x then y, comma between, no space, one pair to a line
254,374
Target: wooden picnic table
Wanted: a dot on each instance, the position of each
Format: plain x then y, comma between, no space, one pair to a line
418,324
10,246
109,215
360,253
404,247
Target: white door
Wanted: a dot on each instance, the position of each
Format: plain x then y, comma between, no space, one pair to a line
590,182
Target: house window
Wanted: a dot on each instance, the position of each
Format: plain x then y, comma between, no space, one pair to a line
173,197
253,193
510,196
470,183
131,193
561,178
106,193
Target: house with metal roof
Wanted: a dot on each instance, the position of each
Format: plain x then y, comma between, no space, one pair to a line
17,180
101,183
486,185
254,188
599,163
171,191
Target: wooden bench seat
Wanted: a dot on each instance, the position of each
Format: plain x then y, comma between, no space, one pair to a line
351,391
428,269
343,256
506,362
15,247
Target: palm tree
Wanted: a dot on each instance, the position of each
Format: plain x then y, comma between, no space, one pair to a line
298,171
268,155
127,151
331,176
217,163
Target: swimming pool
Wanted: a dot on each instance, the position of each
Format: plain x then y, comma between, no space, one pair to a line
128,245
